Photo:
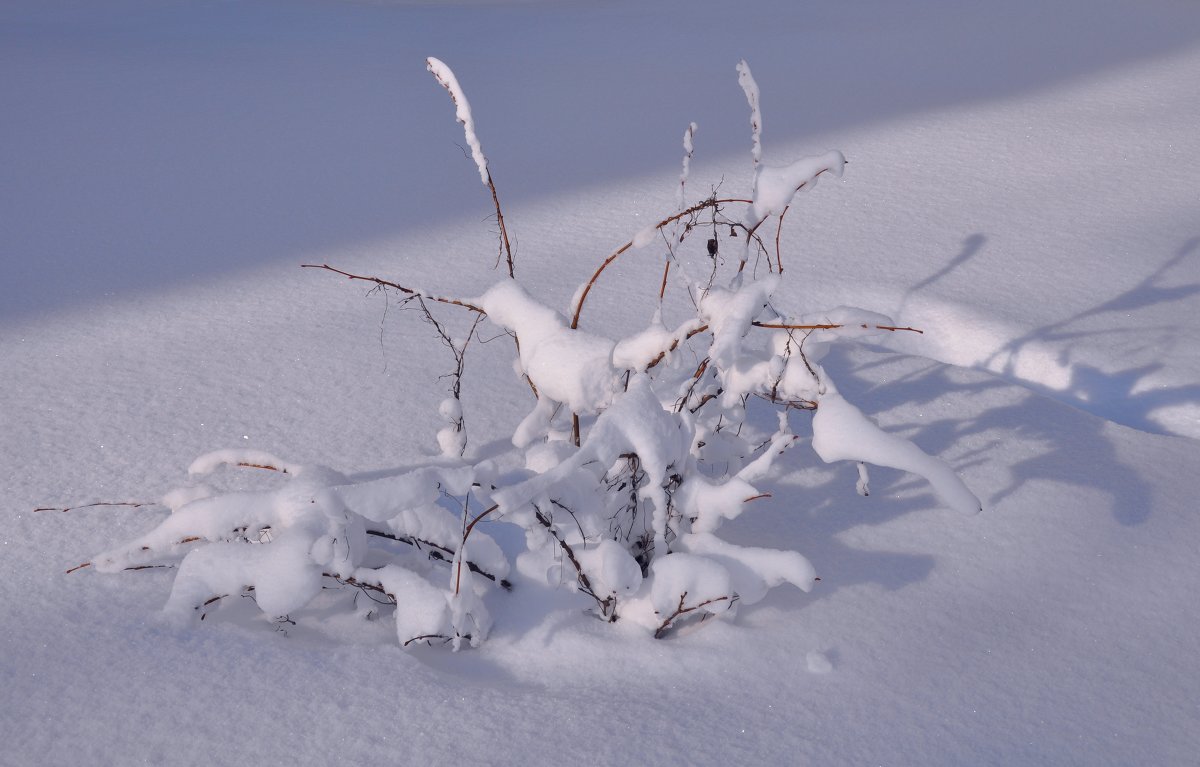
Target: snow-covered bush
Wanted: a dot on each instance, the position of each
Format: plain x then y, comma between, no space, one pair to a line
620,476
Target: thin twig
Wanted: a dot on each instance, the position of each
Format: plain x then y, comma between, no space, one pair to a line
266,466
778,232
503,230
681,610
362,585
401,288
128,504
675,345
466,534
781,326
426,637
440,553
585,583
751,230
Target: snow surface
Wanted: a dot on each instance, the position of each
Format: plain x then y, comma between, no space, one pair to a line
1022,186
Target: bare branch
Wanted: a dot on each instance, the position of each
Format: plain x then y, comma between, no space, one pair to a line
507,249
266,466
440,553
778,232
781,326
607,606
680,611
466,534
128,504
389,284
710,203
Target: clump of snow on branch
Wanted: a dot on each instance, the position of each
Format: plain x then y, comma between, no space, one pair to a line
621,475
462,112
750,88
775,187
689,148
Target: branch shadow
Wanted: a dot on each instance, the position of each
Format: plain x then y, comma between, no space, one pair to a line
1037,439
971,247
1118,396
1073,447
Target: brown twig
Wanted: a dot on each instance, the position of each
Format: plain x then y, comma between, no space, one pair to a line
705,400
681,610
781,326
440,553
128,504
412,292
675,345
751,230
709,203
770,325
352,581
607,607
266,466
388,284
681,403
507,249
180,542
426,637
466,533
778,232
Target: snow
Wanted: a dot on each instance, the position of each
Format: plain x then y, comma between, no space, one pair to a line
775,187
462,112
689,147
750,88
842,433
1021,188
567,366
618,572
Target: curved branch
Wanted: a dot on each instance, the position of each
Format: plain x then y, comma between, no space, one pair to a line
709,203
778,232
751,230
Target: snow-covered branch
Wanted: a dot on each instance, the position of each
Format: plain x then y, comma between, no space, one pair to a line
620,477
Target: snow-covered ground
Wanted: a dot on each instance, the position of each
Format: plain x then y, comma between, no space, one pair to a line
1022,185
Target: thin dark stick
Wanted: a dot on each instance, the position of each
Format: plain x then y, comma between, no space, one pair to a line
388,284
